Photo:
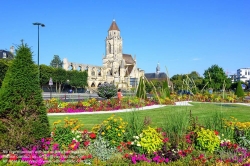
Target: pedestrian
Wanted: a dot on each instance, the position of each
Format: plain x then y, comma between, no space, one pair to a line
119,95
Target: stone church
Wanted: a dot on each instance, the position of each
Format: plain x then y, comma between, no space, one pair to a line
118,68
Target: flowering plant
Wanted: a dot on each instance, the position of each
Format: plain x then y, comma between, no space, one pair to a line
112,129
107,90
149,140
65,134
207,140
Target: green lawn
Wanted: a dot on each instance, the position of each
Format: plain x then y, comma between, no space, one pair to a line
158,116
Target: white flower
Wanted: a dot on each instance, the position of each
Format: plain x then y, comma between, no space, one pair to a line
138,144
132,143
222,135
141,135
136,137
78,136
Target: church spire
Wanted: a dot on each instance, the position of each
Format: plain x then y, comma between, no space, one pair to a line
114,26
158,68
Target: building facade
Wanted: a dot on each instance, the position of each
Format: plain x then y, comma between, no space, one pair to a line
118,68
7,54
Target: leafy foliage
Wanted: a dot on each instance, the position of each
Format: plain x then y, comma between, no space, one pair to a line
141,91
107,90
4,65
165,89
77,78
239,91
207,140
22,111
215,77
56,62
113,130
101,149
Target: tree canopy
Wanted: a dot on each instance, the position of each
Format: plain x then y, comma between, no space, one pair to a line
56,62
215,78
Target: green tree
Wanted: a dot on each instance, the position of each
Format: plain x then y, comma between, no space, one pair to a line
56,62
215,78
177,81
59,77
46,72
77,78
239,91
4,65
141,91
23,117
165,89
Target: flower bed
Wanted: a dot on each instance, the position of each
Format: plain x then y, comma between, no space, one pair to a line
92,105
116,140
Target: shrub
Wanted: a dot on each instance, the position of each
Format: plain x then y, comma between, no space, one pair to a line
112,130
22,111
107,90
65,134
148,141
101,149
141,91
207,140
239,91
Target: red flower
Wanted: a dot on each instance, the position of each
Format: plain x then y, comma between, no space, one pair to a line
86,143
13,157
165,140
92,135
89,156
129,143
216,132
85,131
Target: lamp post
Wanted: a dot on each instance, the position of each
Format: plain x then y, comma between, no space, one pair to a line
42,25
50,84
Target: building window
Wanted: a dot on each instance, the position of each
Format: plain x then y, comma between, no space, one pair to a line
245,72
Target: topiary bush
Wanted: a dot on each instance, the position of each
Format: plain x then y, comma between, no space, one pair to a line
107,90
141,91
239,91
23,118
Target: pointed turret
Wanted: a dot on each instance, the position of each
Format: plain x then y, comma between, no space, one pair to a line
158,69
114,26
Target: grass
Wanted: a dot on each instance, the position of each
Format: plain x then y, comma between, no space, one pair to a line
159,116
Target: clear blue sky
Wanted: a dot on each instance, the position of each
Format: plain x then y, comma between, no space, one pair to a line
183,35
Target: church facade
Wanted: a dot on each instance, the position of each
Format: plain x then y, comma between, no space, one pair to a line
118,68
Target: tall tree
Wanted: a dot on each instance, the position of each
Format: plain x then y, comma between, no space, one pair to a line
77,78
216,78
239,91
4,65
60,77
23,117
56,62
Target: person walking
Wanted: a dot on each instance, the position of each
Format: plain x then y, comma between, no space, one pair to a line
119,95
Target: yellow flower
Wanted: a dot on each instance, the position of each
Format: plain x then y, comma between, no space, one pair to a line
120,127
119,134
123,131
103,133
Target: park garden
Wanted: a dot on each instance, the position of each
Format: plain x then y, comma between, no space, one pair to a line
214,130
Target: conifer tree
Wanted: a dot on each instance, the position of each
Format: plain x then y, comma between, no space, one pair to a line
239,91
165,88
23,118
141,91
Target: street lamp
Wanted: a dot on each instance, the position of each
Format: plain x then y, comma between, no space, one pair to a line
42,25
50,84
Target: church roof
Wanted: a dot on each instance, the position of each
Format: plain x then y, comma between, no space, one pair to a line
154,75
128,58
114,26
